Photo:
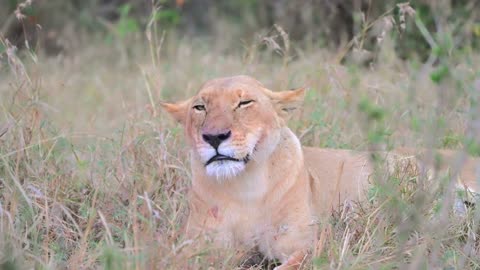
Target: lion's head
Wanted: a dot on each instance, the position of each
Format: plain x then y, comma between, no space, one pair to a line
232,122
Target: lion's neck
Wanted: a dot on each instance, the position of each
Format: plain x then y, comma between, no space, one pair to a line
275,173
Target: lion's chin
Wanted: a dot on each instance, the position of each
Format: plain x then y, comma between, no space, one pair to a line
225,169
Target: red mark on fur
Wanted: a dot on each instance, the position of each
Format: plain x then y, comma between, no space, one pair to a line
213,212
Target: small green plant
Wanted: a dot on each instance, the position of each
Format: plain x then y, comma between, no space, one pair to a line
168,17
375,117
126,24
112,258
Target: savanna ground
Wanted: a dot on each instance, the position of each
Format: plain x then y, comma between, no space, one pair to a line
93,175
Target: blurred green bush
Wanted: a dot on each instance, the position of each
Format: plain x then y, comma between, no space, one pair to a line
313,22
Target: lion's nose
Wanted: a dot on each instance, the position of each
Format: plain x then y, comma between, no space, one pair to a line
216,139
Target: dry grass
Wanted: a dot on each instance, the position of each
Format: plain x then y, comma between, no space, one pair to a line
94,175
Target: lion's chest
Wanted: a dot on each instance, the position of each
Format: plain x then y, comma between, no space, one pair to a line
249,224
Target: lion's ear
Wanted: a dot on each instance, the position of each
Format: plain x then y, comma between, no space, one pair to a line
286,102
177,110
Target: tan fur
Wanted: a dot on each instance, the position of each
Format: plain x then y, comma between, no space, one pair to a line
273,200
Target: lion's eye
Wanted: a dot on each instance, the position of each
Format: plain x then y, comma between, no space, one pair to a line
244,103
199,107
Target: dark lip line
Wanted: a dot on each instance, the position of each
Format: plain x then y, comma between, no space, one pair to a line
219,157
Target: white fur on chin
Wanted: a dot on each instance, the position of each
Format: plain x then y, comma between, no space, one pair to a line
225,169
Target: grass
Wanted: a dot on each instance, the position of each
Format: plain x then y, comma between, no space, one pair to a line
94,175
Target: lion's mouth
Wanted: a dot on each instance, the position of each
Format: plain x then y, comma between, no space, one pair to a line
219,157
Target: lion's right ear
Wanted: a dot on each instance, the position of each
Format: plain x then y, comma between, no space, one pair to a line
177,110
285,102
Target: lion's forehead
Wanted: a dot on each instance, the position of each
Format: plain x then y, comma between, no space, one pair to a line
220,96
230,89
230,96
232,82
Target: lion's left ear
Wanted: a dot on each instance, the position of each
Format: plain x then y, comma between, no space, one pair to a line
177,110
286,102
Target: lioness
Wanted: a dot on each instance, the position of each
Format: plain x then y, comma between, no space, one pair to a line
253,184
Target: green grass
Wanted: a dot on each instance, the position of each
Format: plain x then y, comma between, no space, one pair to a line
94,175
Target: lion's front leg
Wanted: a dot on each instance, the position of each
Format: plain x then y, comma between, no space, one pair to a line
290,243
207,223
294,261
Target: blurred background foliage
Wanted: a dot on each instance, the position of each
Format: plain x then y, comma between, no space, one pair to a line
56,26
